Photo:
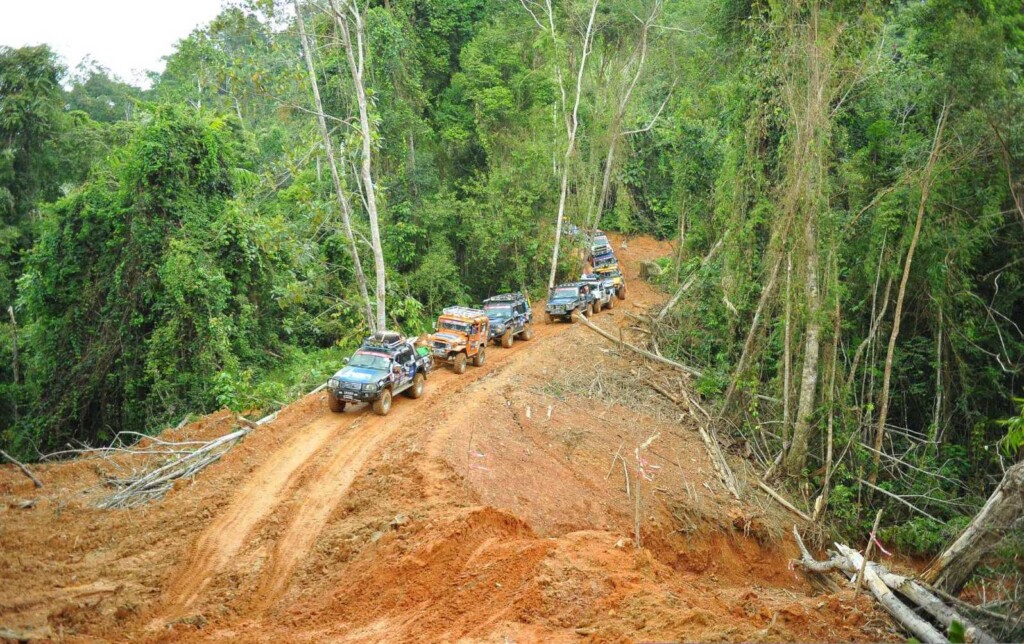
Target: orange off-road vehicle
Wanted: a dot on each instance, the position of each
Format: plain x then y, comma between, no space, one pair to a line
460,336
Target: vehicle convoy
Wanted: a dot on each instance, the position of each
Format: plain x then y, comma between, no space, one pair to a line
510,315
384,366
571,297
461,334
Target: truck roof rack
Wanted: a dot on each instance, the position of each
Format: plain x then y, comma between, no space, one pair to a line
505,297
384,340
571,284
463,312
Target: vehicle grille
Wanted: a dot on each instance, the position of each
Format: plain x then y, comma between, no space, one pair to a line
440,345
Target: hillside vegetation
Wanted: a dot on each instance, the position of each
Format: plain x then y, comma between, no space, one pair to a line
842,184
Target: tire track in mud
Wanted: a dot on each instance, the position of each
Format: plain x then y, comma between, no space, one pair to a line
281,478
325,490
255,501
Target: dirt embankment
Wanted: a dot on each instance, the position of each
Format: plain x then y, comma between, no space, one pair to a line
494,508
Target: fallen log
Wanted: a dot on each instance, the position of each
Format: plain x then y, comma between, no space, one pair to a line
884,586
24,469
783,502
647,354
155,484
932,605
951,569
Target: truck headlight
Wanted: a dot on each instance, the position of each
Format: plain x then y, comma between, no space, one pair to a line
370,387
333,383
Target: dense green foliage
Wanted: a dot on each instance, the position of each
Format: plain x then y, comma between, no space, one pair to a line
180,248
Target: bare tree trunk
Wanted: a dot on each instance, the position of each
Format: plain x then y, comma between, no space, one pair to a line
797,456
14,346
787,353
926,184
822,501
951,570
357,64
339,189
572,124
617,122
937,411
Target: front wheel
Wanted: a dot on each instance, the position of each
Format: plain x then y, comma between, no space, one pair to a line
528,332
611,303
507,339
621,293
382,405
480,357
552,319
334,403
460,363
418,383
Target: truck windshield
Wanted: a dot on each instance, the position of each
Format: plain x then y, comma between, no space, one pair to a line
369,361
452,325
565,292
498,311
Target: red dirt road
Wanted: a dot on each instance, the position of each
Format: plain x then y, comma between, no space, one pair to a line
491,509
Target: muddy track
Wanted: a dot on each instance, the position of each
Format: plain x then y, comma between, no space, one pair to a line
312,472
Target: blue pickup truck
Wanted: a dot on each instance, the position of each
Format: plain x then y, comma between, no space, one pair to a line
384,366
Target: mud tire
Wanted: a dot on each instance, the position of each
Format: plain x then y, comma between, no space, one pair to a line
416,390
611,303
507,339
528,332
382,405
621,293
459,364
480,357
335,405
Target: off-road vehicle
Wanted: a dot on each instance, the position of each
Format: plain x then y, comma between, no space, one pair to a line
384,366
510,315
600,244
612,274
604,290
571,297
461,334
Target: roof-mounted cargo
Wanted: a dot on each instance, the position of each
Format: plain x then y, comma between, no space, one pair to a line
463,312
505,297
389,340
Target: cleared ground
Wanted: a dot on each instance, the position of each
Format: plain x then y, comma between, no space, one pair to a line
492,509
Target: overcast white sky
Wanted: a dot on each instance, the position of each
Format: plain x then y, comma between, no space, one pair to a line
127,36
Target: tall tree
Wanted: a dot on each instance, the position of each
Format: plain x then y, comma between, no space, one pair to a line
339,189
355,52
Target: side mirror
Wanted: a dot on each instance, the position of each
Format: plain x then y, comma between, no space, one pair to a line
345,361
396,369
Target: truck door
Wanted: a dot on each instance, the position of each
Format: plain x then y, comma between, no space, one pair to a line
406,359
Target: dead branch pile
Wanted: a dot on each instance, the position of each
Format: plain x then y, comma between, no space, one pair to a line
905,599
185,461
